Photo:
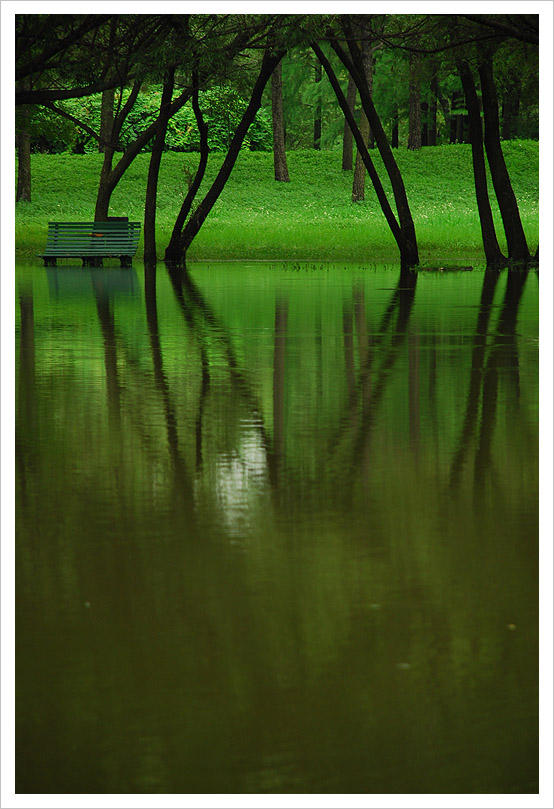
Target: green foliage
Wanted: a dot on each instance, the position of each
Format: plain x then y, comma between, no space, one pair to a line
222,108
49,131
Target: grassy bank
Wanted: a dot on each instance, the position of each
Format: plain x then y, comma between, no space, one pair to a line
312,217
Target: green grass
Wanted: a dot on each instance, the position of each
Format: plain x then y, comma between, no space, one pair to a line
312,217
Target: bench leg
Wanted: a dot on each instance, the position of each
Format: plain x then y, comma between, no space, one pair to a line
49,262
125,261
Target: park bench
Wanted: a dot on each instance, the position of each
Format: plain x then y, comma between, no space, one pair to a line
92,241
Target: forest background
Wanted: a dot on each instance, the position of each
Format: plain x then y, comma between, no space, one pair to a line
414,101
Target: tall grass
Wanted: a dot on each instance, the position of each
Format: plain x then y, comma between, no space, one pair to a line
312,217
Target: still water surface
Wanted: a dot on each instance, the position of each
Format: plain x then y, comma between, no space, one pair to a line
276,530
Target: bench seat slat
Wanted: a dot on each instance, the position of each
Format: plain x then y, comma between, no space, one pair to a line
91,240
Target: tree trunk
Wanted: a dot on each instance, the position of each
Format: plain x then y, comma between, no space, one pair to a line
23,144
154,170
279,153
23,193
510,109
317,116
490,243
394,131
173,250
414,131
432,134
358,183
446,112
106,118
459,128
108,177
269,63
409,254
424,123
106,186
379,190
509,211
347,135
455,118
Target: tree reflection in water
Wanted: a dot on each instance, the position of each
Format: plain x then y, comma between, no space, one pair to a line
301,526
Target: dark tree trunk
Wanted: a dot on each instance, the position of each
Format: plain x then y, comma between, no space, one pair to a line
317,116
456,130
23,193
279,153
269,63
414,131
394,132
510,109
106,186
106,118
490,243
515,237
358,182
408,252
446,112
378,186
347,135
453,129
23,144
173,250
459,128
109,176
424,123
432,133
154,169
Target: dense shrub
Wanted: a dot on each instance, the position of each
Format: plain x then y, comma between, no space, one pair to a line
222,108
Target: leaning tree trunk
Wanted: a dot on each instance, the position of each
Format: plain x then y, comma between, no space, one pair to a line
414,130
269,63
509,211
154,169
409,254
279,153
108,177
490,243
375,179
347,134
358,182
173,250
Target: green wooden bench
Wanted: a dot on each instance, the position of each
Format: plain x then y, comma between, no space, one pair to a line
92,241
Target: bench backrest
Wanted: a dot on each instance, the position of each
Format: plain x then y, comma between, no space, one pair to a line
93,238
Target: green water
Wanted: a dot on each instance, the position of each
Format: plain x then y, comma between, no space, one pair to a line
276,530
